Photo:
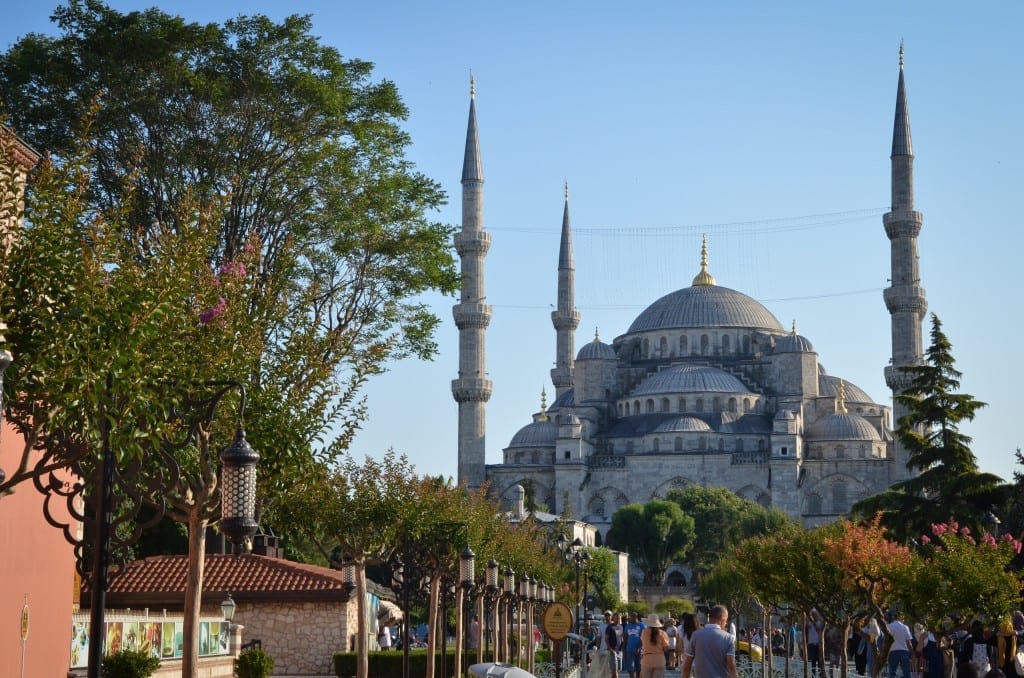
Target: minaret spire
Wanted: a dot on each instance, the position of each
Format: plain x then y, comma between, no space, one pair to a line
904,298
565,317
472,389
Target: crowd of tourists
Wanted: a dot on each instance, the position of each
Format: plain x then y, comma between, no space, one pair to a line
625,645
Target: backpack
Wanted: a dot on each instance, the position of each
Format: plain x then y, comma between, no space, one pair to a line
979,658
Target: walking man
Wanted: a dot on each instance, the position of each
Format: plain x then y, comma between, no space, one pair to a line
711,652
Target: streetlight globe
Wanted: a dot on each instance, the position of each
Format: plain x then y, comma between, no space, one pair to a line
238,491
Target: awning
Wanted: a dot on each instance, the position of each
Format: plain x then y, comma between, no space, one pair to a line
388,613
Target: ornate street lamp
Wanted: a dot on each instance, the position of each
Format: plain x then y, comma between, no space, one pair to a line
348,574
467,580
492,590
238,490
227,608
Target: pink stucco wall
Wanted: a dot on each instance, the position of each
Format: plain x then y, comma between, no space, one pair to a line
36,566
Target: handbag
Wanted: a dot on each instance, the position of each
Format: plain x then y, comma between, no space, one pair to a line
1018,662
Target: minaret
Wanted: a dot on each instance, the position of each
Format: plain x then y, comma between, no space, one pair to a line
565,317
905,297
472,389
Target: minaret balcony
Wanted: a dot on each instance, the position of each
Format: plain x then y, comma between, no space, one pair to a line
472,242
897,379
565,321
469,390
470,315
905,299
902,224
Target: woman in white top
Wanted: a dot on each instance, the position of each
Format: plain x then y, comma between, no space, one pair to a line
670,653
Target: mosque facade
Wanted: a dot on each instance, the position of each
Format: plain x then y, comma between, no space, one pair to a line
705,387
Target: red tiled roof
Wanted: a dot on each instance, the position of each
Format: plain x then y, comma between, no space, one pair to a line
160,581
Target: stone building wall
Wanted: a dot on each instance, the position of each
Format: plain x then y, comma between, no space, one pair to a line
302,637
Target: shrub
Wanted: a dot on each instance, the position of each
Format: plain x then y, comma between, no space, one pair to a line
254,663
129,664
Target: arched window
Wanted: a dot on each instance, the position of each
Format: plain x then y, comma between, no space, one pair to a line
716,404
620,409
739,444
678,446
702,443
840,503
704,344
732,404
840,451
682,404
682,344
597,506
636,407
663,348
535,457
699,405
721,444
650,405
813,504
746,343
647,348
725,343
746,404
656,445
666,404
761,445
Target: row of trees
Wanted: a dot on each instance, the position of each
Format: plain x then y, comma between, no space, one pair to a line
850,572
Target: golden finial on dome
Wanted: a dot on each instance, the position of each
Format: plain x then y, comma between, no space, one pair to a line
841,398
793,332
597,339
704,278
543,405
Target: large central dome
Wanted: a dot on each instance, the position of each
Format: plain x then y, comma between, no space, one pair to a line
705,306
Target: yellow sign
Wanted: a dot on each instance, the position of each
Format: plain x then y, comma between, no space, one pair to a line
24,622
557,621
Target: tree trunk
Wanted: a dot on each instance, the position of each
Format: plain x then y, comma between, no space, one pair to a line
461,629
432,615
193,593
362,652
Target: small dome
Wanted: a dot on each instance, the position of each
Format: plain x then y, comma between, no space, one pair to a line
683,425
784,415
596,350
537,434
840,426
689,379
793,343
828,386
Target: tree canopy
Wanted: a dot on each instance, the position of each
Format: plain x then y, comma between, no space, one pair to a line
655,534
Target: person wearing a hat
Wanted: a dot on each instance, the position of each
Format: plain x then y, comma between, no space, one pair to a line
654,644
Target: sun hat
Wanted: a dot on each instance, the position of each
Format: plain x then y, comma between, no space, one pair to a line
653,620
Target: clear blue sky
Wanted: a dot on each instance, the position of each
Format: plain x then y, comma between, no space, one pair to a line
756,123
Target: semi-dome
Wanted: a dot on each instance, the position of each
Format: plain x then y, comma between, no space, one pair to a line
536,434
840,426
689,379
828,386
683,424
705,306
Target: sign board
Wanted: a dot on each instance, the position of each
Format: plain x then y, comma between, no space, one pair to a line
557,621
24,622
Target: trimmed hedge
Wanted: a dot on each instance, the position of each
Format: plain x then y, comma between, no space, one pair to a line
388,663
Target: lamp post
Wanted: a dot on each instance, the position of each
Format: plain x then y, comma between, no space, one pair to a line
577,554
509,594
96,486
467,582
492,590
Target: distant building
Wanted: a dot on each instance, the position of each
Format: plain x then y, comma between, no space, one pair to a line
705,387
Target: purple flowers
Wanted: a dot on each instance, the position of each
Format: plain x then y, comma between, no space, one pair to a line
214,312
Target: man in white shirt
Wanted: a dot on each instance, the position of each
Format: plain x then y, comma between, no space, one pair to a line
902,645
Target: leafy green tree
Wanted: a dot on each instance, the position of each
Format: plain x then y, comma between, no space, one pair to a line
602,568
722,520
655,534
675,607
958,577
227,201
947,483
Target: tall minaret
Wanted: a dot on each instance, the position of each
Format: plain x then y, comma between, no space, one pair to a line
472,389
565,317
905,297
